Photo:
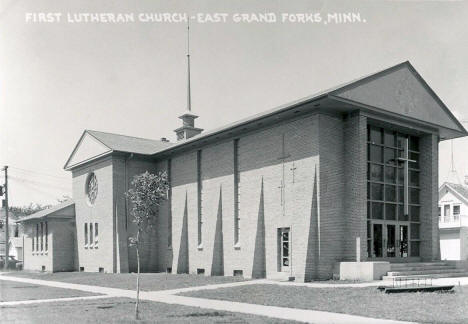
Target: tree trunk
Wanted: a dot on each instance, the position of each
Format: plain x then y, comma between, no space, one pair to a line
137,315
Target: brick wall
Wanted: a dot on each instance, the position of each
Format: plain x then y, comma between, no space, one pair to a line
430,244
63,243
259,162
184,207
355,199
101,212
34,261
148,248
332,225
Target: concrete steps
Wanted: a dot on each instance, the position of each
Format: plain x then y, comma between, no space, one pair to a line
434,276
424,270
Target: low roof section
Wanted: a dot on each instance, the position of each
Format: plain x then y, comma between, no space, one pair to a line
64,210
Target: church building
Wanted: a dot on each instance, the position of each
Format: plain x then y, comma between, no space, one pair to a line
344,179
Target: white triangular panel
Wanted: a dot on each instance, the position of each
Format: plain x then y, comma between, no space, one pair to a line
87,148
400,91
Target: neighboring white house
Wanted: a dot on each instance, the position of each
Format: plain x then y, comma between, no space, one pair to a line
453,221
16,248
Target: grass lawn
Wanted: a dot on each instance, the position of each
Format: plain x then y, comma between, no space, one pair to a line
417,307
12,291
121,310
148,281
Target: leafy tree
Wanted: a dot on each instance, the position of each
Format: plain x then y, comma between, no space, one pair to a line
28,210
147,193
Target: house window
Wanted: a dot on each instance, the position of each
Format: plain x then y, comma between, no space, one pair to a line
200,188
32,241
440,214
16,230
96,234
236,192
86,234
91,234
446,213
456,212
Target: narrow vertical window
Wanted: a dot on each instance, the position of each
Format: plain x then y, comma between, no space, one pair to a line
236,192
32,240
96,234
199,191
42,236
86,234
169,198
37,236
46,236
91,234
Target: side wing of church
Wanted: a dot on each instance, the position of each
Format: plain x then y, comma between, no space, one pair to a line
345,177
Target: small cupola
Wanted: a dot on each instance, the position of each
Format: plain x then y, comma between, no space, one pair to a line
188,128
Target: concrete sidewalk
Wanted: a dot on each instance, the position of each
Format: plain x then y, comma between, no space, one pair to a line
168,297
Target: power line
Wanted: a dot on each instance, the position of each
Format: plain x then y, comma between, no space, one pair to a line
40,183
38,188
40,172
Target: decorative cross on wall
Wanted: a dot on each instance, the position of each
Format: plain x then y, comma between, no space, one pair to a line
406,160
293,173
283,157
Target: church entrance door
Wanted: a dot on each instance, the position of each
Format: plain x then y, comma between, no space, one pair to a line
285,249
390,239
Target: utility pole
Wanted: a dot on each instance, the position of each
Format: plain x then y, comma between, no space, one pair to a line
7,234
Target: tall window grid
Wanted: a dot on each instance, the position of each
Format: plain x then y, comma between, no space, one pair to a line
199,193
385,182
236,192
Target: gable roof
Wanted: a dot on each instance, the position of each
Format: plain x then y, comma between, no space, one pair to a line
65,209
459,190
344,98
94,144
398,91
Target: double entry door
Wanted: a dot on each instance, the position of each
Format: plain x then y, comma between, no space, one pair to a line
390,239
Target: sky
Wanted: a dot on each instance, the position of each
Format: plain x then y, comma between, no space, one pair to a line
59,78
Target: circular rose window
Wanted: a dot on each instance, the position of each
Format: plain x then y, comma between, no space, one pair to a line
91,188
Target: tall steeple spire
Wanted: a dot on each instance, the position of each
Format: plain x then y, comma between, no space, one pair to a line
189,95
188,128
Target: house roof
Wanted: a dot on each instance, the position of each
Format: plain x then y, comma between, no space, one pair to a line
396,92
65,209
460,190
